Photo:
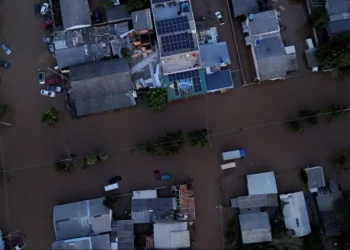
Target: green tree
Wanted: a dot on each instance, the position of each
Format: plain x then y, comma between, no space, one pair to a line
66,163
287,242
232,234
3,109
342,159
157,99
106,3
313,241
124,52
319,18
50,116
169,144
312,118
133,5
103,156
109,202
198,138
335,55
295,126
90,160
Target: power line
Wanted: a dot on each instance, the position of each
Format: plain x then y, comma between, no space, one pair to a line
186,139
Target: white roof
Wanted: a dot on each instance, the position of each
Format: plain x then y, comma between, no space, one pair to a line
295,213
263,183
144,194
171,235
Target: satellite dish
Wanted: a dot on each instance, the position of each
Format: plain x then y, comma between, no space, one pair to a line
251,17
221,60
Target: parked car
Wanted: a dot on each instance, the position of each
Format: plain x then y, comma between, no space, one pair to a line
4,64
47,39
44,9
165,177
41,76
47,93
54,80
52,48
37,8
47,24
54,88
219,17
115,2
6,49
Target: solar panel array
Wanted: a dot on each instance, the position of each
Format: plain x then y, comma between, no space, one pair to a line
193,75
177,42
172,25
159,1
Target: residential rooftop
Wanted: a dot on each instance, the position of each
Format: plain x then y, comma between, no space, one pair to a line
185,84
295,213
142,20
102,86
255,227
171,9
245,7
214,54
86,243
117,13
151,210
83,218
171,235
335,7
219,81
180,62
122,235
254,201
75,14
263,183
88,45
315,178
263,23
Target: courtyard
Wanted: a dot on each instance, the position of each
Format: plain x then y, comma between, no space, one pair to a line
31,186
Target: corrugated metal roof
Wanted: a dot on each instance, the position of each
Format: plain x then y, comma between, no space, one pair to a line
255,227
295,213
335,7
315,177
75,13
123,234
252,201
75,220
340,26
171,235
264,22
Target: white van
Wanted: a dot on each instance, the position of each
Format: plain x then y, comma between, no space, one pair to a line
111,187
228,165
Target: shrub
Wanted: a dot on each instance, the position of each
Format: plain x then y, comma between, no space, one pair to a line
157,99
50,116
198,138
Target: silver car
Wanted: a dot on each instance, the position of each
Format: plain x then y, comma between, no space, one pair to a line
41,76
6,49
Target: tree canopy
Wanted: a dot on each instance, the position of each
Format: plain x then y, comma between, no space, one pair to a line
335,55
319,18
133,5
50,116
157,99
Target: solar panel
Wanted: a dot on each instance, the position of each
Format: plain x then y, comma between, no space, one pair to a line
177,42
193,75
172,25
159,1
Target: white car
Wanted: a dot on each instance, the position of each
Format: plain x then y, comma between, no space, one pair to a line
219,17
6,49
47,93
44,9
